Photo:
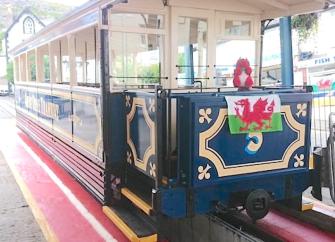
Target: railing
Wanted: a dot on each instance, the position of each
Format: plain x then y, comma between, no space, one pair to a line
323,105
322,135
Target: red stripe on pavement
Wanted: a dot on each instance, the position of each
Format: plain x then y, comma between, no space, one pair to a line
62,216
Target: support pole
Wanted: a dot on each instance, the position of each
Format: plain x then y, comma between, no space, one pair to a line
286,52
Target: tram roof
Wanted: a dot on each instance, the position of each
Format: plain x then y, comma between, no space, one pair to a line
88,14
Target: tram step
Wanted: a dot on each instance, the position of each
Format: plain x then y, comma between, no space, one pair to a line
134,225
137,201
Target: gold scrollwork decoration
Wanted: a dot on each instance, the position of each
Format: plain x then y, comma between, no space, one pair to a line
152,105
228,170
299,160
205,115
128,98
141,163
302,107
204,172
152,170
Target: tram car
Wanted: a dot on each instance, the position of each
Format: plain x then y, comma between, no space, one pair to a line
135,99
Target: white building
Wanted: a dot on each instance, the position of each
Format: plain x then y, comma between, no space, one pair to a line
320,69
318,64
23,27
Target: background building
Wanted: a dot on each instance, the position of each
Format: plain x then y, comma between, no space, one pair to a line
314,58
23,27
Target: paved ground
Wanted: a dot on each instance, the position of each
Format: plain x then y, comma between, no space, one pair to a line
17,223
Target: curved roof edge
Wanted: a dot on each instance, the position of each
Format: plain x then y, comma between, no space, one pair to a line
84,16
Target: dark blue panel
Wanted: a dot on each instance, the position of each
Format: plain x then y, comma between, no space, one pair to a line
140,133
216,156
235,152
173,202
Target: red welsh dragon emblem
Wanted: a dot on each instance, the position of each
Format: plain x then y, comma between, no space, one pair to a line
261,113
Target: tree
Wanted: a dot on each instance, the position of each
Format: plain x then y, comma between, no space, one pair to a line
306,25
2,34
10,72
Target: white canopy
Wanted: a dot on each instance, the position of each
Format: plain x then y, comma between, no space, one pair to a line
266,8
88,14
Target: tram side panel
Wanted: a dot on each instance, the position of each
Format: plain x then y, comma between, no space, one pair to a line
66,124
212,165
225,167
134,135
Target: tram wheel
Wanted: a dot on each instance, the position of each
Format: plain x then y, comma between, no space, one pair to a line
257,204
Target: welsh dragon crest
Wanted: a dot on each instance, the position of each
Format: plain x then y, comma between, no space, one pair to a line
261,113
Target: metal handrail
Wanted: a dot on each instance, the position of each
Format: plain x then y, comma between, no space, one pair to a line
331,155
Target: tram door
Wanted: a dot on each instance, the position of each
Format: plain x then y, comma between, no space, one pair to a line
192,47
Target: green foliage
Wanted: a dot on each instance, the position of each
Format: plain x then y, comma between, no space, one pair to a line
2,35
10,72
46,67
149,71
306,25
43,10
32,67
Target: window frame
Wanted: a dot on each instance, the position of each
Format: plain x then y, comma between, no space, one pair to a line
177,12
164,32
222,17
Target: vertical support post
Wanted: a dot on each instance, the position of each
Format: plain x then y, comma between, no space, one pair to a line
105,90
286,52
72,59
52,64
261,53
189,65
39,65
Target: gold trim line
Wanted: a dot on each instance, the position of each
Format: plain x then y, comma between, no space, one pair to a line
145,207
307,206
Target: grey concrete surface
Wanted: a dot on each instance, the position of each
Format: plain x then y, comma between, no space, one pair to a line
17,223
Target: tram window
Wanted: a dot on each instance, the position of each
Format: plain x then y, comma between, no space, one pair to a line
46,68
138,20
237,28
42,64
227,53
136,58
65,59
55,72
90,62
80,57
86,57
31,66
192,50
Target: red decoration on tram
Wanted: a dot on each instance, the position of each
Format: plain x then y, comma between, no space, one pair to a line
242,75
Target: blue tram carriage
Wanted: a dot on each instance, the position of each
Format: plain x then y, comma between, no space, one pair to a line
114,115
